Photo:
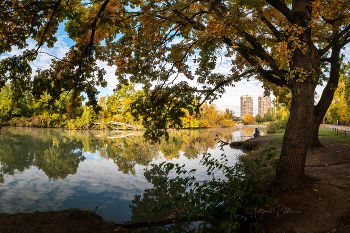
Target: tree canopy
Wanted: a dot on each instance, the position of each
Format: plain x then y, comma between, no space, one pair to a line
172,48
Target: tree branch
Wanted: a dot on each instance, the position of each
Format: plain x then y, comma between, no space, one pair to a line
346,40
259,51
47,25
327,59
93,26
281,7
335,40
212,90
328,92
26,6
196,25
274,30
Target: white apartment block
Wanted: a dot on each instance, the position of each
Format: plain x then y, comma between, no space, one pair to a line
246,105
264,103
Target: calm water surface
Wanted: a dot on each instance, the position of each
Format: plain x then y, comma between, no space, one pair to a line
54,169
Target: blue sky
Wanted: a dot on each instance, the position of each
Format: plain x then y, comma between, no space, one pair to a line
231,99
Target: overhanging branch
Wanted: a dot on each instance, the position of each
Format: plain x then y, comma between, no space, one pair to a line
342,35
273,29
281,7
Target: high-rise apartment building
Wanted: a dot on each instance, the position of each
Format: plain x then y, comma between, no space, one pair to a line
264,103
246,105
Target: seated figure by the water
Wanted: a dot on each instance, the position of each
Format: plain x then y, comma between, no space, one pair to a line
256,133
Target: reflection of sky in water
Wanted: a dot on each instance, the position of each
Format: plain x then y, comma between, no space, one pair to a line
97,182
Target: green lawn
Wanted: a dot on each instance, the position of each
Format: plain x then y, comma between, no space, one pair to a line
278,139
329,133
323,133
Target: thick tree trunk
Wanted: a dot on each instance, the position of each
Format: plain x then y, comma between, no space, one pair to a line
327,96
314,140
297,135
304,67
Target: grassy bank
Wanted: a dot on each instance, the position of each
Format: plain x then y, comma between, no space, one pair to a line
323,133
330,134
276,140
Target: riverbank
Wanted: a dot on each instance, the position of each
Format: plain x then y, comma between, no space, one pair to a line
71,220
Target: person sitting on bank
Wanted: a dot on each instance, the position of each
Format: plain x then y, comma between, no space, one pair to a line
256,133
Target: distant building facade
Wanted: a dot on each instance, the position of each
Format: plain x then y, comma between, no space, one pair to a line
264,103
246,105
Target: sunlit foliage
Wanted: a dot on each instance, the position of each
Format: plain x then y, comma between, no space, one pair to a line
248,119
340,108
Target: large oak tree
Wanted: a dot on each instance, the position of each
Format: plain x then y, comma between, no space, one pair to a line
295,44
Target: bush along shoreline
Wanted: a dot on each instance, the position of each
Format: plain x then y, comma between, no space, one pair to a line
222,205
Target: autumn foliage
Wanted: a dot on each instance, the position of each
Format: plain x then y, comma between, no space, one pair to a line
340,107
209,116
248,119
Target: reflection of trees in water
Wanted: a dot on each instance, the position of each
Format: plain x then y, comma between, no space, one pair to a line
247,131
16,154
148,207
58,163
171,148
59,152
127,152
128,149
197,142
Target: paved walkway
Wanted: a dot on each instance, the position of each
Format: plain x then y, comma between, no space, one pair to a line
339,127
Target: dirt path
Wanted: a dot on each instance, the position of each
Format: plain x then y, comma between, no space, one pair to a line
324,205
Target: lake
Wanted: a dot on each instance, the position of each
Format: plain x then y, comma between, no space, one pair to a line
55,169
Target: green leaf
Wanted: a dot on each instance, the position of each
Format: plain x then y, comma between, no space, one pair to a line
268,200
224,225
238,204
170,166
233,210
240,192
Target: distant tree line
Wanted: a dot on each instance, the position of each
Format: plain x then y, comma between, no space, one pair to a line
273,114
70,111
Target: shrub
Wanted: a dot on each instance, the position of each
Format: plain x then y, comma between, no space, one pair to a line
272,128
218,202
281,124
248,119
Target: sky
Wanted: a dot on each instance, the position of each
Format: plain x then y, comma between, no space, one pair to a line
230,100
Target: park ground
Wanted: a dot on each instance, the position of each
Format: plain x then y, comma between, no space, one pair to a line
323,205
